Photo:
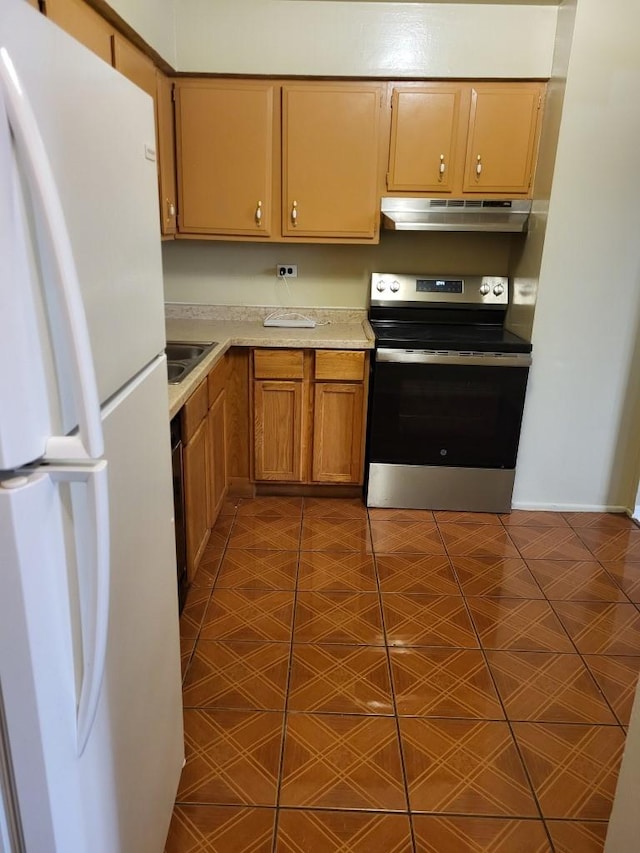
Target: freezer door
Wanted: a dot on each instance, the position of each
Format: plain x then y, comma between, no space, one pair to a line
99,135
115,793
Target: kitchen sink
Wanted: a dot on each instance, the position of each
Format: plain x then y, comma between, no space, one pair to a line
183,356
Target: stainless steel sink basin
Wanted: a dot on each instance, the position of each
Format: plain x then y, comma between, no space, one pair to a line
183,356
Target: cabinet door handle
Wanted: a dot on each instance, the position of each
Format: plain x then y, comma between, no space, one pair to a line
479,166
441,167
259,213
171,208
294,214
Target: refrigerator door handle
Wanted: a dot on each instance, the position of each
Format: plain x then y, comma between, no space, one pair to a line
88,444
95,612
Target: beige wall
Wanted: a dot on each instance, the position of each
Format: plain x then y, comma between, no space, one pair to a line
368,39
154,21
581,432
332,276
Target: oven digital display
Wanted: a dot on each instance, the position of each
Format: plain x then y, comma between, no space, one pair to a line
439,285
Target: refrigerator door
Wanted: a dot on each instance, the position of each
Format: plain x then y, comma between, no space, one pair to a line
115,795
99,135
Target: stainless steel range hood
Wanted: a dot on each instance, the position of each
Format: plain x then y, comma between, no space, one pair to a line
447,214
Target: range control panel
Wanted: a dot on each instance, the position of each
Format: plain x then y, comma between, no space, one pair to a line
390,288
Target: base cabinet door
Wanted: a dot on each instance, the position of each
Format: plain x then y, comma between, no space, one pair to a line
337,433
278,429
217,456
196,473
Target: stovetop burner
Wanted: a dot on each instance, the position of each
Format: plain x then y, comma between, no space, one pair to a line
479,338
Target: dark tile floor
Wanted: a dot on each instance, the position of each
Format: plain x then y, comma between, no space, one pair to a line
393,681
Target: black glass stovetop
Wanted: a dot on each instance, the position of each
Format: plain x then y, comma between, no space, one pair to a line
447,336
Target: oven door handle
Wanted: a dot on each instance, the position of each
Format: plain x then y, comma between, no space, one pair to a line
470,359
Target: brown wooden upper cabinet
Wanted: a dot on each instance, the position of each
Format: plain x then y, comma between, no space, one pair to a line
134,64
464,139
84,24
264,160
226,156
330,146
166,154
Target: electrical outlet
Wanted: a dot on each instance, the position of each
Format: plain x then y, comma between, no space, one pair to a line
287,270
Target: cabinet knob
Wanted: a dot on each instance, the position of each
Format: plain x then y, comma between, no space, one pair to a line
171,208
441,167
294,213
259,213
478,165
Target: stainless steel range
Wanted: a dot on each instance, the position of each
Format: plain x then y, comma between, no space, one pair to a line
447,393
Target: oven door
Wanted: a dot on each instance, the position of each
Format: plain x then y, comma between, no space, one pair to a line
447,409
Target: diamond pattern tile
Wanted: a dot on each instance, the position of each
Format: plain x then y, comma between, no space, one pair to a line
477,540
219,535
248,614
496,577
511,623
412,537
599,628
193,612
338,617
340,679
548,687
342,832
524,518
579,580
626,574
265,533
427,620
271,506
231,757
337,570
549,543
336,508
229,506
605,520
237,675
220,829
450,517
617,677
258,569
573,769
605,544
386,514
444,683
428,573
572,836
435,834
289,689
344,762
328,534
464,767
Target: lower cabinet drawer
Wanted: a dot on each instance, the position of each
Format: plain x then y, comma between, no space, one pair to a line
278,364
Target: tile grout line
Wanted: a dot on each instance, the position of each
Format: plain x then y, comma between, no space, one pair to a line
504,710
396,717
276,821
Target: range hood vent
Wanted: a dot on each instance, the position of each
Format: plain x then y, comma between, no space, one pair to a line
455,214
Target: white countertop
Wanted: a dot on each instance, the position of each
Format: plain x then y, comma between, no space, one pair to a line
343,330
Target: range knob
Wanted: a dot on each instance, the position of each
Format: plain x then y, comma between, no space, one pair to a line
395,286
380,285
498,289
485,288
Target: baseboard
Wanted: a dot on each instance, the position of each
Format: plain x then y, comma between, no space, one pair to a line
558,507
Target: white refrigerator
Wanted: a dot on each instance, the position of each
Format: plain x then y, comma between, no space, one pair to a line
91,742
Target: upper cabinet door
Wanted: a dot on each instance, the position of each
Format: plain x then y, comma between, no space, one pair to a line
166,154
427,137
330,160
503,137
134,64
226,139
85,25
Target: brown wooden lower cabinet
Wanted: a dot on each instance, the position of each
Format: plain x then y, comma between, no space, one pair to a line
307,428
204,436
